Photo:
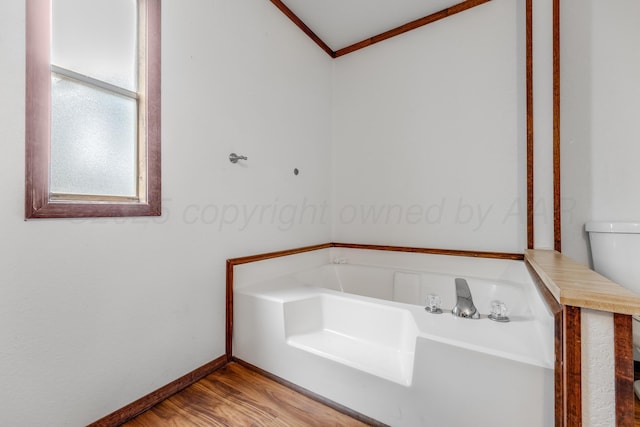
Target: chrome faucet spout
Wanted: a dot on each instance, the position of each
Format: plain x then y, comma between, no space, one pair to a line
464,302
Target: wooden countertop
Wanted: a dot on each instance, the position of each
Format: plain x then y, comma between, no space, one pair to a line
575,284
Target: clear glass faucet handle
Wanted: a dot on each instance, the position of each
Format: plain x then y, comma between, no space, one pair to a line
433,304
499,311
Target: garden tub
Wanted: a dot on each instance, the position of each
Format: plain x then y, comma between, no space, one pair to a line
351,326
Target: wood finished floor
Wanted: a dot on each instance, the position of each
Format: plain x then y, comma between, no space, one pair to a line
237,396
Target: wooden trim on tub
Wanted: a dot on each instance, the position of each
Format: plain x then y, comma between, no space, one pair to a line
453,252
445,13
278,254
623,350
141,405
311,395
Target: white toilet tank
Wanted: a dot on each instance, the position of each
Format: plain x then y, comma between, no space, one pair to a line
615,248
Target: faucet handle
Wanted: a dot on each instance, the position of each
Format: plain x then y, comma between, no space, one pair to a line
498,311
433,304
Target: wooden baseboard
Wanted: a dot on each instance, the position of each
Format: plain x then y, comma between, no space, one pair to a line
311,395
134,409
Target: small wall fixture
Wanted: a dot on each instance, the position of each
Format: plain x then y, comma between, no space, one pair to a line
233,158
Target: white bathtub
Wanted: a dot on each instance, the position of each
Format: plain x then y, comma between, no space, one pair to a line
356,332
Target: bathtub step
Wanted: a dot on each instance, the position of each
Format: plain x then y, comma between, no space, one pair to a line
385,362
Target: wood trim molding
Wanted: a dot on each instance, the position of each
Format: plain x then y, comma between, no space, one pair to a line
437,16
557,208
228,335
153,106
445,13
277,254
452,252
623,351
134,409
558,369
305,29
37,107
39,203
572,367
530,135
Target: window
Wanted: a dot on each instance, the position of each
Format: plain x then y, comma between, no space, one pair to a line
93,108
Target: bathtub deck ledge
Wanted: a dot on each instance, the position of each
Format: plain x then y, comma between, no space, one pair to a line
575,284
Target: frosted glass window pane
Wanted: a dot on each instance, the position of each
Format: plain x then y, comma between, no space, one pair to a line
93,141
97,38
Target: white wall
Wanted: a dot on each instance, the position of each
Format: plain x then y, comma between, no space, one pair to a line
600,113
97,313
430,135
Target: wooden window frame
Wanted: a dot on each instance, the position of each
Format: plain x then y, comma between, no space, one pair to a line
39,202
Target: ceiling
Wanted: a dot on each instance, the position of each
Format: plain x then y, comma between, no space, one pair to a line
342,23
